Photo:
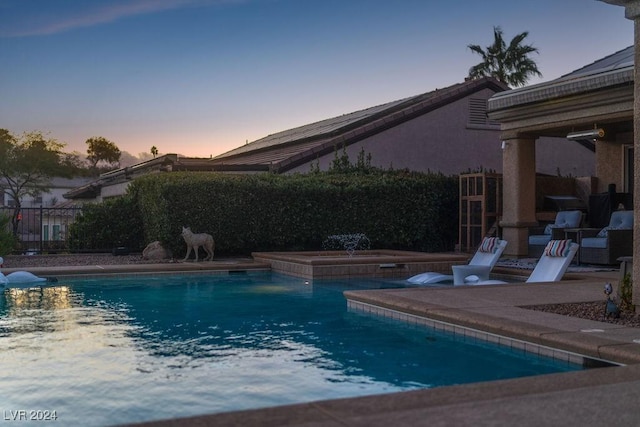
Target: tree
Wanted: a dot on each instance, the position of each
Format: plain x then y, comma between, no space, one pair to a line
75,164
154,151
27,165
509,64
102,150
7,238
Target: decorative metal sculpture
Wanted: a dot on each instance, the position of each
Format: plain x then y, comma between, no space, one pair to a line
348,242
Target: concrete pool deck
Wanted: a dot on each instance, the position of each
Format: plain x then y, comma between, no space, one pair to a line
597,396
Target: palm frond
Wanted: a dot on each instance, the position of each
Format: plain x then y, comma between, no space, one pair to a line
510,63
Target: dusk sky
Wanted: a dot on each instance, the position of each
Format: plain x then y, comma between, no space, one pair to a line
201,77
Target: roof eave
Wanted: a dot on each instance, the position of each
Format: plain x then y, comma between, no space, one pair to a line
559,88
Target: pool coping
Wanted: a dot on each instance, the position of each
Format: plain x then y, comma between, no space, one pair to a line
476,335
225,266
569,399
502,310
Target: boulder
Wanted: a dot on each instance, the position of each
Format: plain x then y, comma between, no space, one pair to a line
155,251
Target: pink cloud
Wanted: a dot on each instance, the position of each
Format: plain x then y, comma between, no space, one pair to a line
91,16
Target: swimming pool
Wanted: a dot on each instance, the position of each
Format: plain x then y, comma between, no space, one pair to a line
120,350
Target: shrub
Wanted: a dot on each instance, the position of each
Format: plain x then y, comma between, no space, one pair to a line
7,238
626,292
107,225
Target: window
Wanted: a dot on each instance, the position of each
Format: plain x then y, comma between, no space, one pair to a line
56,232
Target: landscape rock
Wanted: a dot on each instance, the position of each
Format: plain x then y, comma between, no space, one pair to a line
155,251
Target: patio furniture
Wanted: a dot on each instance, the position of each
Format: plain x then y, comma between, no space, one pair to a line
483,261
605,246
551,266
540,236
463,273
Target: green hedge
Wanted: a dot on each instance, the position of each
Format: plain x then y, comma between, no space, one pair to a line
266,212
113,223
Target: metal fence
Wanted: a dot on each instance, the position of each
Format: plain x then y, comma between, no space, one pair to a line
43,230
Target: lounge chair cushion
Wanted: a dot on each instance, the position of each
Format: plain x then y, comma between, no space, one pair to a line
594,242
605,231
568,219
564,219
557,248
620,220
539,239
489,245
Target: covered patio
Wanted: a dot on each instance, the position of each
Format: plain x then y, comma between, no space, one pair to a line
592,106
595,106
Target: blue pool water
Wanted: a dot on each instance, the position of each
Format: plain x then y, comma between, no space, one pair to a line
110,351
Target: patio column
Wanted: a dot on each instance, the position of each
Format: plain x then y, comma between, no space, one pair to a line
632,11
519,192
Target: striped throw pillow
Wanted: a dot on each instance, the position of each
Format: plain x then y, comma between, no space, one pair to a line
489,244
557,248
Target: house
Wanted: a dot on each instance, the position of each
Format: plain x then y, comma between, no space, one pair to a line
593,105
44,219
445,130
55,194
115,183
631,116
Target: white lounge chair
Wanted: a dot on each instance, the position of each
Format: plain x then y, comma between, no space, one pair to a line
483,261
552,265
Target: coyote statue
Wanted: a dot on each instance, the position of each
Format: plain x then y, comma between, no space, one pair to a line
194,241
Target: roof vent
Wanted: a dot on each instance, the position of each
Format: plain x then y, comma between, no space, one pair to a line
478,113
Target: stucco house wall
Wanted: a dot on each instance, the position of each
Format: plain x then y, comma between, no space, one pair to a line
559,156
610,161
439,141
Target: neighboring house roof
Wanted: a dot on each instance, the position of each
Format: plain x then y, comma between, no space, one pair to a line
613,70
285,150
165,163
56,182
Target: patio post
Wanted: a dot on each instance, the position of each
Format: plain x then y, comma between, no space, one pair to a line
632,12
519,192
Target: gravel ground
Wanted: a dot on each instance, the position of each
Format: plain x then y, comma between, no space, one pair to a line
590,310
26,261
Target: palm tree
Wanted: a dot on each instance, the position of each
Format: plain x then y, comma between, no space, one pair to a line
509,64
